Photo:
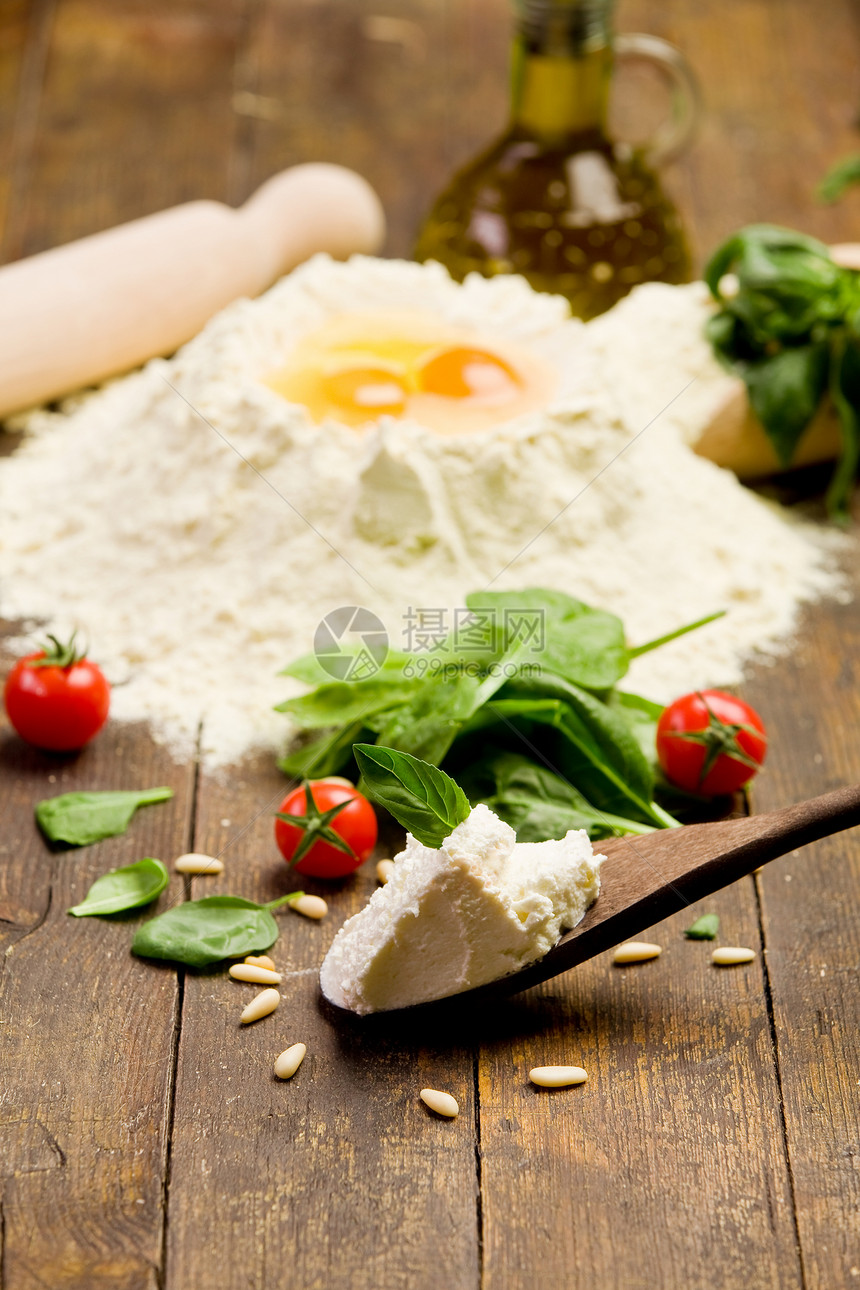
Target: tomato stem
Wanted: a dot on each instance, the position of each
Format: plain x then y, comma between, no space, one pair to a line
316,826
57,654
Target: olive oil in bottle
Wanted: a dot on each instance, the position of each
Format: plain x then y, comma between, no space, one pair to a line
555,199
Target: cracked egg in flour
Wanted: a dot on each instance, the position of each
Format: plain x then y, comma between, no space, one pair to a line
486,439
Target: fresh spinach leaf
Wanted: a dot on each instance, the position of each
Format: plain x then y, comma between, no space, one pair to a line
421,797
636,650
534,675
427,726
324,754
704,928
539,804
200,932
83,818
597,751
136,884
641,716
559,634
310,671
340,702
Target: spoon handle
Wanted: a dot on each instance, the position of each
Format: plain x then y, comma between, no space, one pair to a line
647,878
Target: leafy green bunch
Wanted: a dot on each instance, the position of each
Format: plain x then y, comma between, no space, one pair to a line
537,728
791,331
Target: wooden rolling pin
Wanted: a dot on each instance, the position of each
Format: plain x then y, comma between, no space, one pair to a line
80,313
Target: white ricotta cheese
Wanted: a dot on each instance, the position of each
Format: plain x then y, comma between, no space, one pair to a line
477,909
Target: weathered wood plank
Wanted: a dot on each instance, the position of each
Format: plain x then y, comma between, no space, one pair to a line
401,94
812,933
87,1030
339,1177
24,39
780,91
667,1167
134,116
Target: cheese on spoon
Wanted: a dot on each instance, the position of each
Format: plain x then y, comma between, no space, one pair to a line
478,908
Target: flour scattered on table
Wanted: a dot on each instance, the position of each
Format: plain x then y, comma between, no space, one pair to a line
197,527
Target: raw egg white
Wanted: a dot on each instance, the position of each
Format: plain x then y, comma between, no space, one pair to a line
360,366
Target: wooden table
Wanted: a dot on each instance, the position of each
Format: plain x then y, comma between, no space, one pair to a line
143,1139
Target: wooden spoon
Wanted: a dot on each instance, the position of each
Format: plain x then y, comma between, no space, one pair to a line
647,878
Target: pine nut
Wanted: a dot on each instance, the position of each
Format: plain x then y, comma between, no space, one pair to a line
384,870
289,1061
260,960
557,1076
336,779
729,955
260,1006
258,975
310,906
636,952
194,863
441,1103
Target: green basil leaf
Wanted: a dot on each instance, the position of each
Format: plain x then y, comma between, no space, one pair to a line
421,797
845,392
704,928
839,179
785,390
136,884
200,932
83,818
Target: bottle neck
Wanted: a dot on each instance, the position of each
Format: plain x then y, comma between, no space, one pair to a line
561,67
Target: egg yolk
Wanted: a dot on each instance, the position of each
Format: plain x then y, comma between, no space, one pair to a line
366,389
464,373
357,368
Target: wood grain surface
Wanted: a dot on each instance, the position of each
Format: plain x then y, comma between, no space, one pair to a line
144,1141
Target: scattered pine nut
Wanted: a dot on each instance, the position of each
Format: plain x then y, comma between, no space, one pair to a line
441,1103
336,779
310,906
289,1061
260,960
384,870
636,952
260,1006
195,863
729,955
557,1076
258,975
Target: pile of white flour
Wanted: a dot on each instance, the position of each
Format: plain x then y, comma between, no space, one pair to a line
196,527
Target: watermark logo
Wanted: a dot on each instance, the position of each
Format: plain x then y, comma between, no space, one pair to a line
351,643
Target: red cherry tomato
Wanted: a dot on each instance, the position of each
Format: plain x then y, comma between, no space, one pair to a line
710,743
330,836
56,698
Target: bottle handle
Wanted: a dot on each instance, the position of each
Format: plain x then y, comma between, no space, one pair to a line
673,136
